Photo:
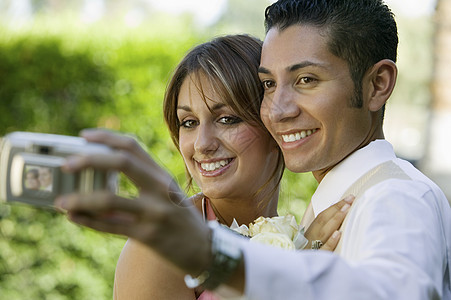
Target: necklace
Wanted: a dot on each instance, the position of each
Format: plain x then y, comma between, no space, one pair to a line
207,202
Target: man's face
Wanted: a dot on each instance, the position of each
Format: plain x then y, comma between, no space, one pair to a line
45,177
306,106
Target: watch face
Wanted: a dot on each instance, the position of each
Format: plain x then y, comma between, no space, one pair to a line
227,255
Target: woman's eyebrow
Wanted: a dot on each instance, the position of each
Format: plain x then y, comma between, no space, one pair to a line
215,107
184,107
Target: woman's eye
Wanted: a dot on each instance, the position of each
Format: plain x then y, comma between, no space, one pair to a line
188,124
229,120
268,84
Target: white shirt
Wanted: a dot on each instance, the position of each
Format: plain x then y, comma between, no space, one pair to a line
396,245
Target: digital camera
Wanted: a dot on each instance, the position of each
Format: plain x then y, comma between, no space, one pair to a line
30,168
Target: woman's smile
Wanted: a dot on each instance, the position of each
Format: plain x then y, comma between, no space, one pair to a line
214,168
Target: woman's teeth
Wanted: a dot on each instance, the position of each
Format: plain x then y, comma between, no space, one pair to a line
287,138
214,165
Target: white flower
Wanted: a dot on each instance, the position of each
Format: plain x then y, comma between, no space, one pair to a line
282,231
283,224
280,240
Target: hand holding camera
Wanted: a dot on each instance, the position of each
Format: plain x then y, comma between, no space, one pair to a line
30,168
161,209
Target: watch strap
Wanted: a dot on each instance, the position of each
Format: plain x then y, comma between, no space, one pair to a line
227,255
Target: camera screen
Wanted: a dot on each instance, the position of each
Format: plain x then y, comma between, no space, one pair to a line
38,178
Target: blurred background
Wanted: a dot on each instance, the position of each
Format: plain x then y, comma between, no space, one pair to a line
69,65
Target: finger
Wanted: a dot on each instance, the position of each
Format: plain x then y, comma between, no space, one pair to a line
143,175
333,216
98,204
97,222
328,221
340,212
332,242
117,141
334,223
336,208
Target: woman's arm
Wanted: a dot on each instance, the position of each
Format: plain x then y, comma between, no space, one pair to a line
142,274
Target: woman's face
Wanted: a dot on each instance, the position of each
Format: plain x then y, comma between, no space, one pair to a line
226,156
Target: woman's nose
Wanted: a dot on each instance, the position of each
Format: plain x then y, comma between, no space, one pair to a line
206,139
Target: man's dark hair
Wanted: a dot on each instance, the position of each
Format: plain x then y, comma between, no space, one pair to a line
362,32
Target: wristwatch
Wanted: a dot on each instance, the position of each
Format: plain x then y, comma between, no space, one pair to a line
227,255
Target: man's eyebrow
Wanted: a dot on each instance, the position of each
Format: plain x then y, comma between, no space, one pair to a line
263,70
294,67
305,64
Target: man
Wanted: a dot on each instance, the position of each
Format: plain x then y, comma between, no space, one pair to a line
328,68
46,179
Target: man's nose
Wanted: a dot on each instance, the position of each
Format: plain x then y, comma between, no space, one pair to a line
281,105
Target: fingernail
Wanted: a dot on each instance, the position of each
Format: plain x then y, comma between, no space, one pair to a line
86,133
69,164
336,234
345,207
60,203
349,199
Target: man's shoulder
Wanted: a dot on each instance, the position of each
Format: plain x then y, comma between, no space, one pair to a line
399,179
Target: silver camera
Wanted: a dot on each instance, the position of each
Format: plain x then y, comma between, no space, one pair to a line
30,168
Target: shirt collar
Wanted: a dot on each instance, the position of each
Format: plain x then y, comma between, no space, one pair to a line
342,176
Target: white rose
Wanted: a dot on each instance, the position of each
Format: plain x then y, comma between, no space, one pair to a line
280,240
283,224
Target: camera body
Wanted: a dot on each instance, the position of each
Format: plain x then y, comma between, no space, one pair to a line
30,168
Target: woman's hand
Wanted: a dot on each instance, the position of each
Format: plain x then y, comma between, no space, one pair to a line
325,226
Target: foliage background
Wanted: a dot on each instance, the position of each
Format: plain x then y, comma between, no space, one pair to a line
60,76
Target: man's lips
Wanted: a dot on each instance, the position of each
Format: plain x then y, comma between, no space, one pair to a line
297,136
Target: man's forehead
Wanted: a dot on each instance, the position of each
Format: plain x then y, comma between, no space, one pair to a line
293,44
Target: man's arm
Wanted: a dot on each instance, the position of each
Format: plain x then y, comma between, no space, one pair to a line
393,248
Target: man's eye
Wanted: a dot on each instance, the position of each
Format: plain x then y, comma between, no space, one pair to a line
229,120
306,80
188,124
268,84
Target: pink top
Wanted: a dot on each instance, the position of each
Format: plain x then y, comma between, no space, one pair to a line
209,215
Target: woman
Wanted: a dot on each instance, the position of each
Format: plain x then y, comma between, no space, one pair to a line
32,179
212,110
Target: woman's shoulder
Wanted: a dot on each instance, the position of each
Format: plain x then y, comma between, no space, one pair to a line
197,200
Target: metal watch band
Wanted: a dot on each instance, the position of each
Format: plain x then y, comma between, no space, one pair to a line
226,257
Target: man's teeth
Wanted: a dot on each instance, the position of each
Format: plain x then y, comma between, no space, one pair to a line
297,136
215,165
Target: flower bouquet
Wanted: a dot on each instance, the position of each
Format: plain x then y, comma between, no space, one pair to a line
281,231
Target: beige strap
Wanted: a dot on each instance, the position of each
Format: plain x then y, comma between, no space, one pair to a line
382,172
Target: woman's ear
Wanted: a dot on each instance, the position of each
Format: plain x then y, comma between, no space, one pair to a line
382,79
